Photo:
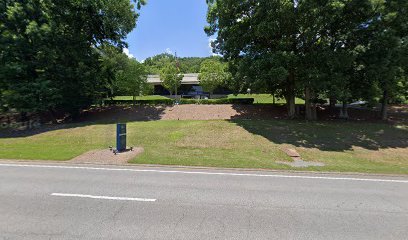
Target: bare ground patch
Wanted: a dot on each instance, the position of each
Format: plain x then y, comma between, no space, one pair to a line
106,156
226,112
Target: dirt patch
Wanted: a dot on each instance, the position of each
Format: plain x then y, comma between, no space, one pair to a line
183,112
291,152
106,156
297,160
225,112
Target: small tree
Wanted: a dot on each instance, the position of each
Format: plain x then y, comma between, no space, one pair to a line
171,78
132,79
213,74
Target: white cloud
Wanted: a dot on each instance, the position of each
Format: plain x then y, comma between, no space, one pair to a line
210,46
126,51
168,51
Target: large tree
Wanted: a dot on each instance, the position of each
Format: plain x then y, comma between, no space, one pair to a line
171,77
387,54
49,50
213,74
132,80
283,43
113,61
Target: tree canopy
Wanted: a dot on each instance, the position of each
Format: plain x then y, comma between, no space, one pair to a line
313,49
50,50
186,64
213,74
171,77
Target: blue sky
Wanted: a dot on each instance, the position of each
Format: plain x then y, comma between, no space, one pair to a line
172,26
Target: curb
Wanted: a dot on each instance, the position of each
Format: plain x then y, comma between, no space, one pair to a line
67,162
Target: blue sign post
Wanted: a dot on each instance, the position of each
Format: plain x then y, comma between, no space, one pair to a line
121,137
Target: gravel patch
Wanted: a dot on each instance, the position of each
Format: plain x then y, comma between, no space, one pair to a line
297,160
183,112
106,156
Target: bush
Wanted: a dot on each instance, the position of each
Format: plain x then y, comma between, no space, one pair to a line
140,102
246,101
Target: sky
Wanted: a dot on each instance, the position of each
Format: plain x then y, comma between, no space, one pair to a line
170,26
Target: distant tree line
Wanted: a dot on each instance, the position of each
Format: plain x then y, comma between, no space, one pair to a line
213,71
155,64
56,55
342,50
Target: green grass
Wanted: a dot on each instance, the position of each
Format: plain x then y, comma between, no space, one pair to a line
258,98
150,97
351,147
265,98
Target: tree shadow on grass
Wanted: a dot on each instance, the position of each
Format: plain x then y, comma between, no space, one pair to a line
260,111
106,115
328,136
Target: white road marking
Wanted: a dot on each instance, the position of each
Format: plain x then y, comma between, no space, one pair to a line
208,173
103,197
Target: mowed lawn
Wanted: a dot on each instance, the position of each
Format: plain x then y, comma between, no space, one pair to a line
342,146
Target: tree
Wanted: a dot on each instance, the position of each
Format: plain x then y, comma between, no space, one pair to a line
213,74
155,64
132,79
279,44
49,50
171,77
386,55
113,61
187,64
26,33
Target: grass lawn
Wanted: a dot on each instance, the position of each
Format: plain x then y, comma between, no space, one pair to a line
354,147
265,98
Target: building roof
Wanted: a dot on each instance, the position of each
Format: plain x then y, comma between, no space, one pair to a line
189,78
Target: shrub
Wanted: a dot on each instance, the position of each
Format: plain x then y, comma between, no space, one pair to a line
140,102
246,101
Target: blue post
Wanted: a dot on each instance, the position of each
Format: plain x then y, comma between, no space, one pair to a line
121,137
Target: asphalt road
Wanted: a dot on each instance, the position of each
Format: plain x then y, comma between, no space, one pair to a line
100,202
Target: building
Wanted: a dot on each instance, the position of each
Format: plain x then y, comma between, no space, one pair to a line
190,84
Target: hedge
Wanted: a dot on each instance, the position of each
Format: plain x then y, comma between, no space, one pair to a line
140,102
246,101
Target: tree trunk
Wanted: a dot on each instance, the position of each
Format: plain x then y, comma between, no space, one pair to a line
290,96
384,106
273,99
314,111
134,100
53,115
332,105
308,104
290,104
344,111
175,95
24,117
